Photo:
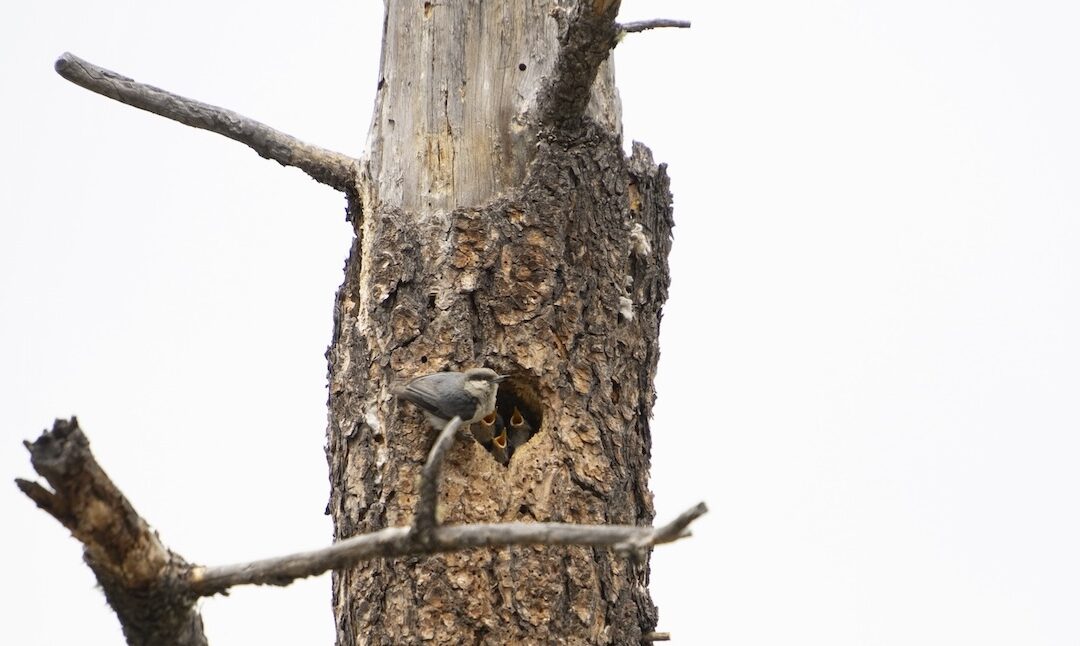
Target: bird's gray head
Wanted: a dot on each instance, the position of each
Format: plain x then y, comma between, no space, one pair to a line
484,374
481,381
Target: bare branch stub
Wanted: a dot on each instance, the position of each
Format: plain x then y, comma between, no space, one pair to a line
142,580
637,547
153,590
589,33
324,166
655,23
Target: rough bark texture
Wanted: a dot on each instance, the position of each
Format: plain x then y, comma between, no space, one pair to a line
555,272
143,581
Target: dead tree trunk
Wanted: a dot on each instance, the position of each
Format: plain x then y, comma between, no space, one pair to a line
499,223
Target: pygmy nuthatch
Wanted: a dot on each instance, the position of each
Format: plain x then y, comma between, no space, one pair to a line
469,395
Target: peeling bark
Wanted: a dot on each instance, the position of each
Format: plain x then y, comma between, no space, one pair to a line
153,590
553,269
144,582
498,222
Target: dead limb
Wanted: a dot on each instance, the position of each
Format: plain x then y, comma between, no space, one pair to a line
325,166
655,23
153,590
144,582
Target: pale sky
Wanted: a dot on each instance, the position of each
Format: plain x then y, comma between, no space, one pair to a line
869,358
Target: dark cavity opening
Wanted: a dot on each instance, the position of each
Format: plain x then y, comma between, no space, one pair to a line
516,419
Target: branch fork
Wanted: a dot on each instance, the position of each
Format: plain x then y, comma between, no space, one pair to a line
153,590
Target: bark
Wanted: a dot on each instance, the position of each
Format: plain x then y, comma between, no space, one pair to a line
144,582
499,226
519,236
154,591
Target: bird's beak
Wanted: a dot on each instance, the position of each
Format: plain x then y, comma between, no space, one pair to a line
501,378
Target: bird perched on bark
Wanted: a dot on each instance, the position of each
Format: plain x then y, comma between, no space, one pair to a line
469,395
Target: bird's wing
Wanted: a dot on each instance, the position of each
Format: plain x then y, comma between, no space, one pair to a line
421,392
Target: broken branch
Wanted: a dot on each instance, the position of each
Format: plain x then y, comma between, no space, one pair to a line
153,590
142,580
324,166
656,23
636,546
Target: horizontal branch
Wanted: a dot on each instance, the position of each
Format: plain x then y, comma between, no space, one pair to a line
401,541
325,166
656,23
153,590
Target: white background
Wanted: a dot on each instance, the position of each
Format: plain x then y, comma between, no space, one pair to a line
870,355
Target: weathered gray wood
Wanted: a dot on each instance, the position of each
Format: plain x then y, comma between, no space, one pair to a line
324,166
458,86
153,590
502,226
401,541
143,581
656,23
